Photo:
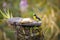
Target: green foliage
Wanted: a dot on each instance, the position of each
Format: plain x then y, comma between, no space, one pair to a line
10,34
6,15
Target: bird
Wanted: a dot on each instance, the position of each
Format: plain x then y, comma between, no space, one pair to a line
35,17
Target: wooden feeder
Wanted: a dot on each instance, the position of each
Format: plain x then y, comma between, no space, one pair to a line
25,28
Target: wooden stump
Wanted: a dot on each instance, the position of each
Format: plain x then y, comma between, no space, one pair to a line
25,30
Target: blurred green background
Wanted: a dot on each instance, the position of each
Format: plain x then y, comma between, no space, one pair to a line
47,10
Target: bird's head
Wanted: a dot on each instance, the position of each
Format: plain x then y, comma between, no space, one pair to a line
34,14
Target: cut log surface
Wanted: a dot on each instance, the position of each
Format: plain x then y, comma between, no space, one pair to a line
25,22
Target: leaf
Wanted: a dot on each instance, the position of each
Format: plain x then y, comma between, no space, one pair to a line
7,14
4,15
11,15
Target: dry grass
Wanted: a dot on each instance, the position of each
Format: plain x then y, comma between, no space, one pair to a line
49,26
